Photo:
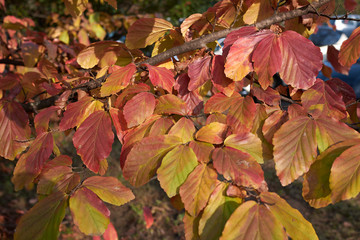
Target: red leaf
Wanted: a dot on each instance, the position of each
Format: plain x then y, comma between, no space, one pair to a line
119,122
350,50
43,117
118,80
238,167
269,96
93,139
78,111
148,217
220,102
193,99
267,58
299,68
14,128
161,77
232,37
320,99
109,234
199,72
219,79
333,58
184,129
342,88
202,150
350,5
30,163
161,126
139,108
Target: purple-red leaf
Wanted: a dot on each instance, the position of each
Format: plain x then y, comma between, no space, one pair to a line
139,108
199,72
93,139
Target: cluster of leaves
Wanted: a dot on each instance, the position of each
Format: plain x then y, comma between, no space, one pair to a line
181,119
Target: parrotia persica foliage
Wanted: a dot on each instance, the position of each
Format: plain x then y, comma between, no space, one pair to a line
179,116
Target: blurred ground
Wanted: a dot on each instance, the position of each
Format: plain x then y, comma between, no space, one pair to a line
335,222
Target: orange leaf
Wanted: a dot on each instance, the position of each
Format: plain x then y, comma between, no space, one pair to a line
212,133
146,31
161,77
171,104
149,219
139,108
184,129
93,139
241,114
118,80
350,49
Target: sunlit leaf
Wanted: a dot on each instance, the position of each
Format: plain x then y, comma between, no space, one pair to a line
175,167
184,129
253,221
197,188
199,72
202,150
191,226
161,126
161,77
296,226
350,49
212,133
139,108
109,189
258,10
14,129
93,139
238,167
90,214
118,80
43,220
219,79
145,157
75,7
241,114
109,234
146,31
42,119
294,148
247,143
170,104
78,111
345,175
299,69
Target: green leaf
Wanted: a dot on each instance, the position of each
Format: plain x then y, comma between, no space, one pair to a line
89,213
216,213
109,189
175,168
43,220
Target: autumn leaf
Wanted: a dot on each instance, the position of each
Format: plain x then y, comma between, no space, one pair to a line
333,57
320,99
253,221
241,114
75,8
109,234
316,185
296,226
14,129
42,119
171,104
139,108
196,190
146,31
145,157
218,77
202,150
149,219
238,167
345,175
199,72
247,143
161,77
258,11
78,111
175,167
212,133
109,189
43,220
219,102
299,69
350,50
184,129
93,139
30,163
161,126
216,213
119,123
89,213
118,80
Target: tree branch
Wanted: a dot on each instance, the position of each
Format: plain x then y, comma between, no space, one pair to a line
12,62
186,47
